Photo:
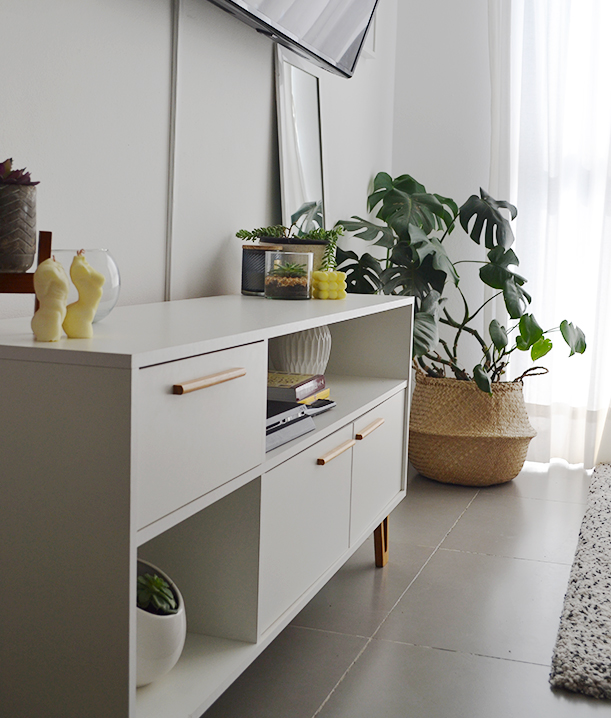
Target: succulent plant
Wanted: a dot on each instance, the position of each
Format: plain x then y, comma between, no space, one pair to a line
290,269
155,595
10,176
278,231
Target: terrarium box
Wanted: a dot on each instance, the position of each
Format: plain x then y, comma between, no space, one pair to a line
288,275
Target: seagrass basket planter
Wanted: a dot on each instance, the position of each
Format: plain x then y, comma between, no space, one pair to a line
17,227
460,435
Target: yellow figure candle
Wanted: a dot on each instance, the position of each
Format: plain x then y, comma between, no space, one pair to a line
78,323
51,286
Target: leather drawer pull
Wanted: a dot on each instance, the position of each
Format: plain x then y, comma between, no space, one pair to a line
336,452
206,381
369,428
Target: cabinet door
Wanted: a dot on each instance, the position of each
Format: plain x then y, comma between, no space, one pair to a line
378,468
190,443
304,523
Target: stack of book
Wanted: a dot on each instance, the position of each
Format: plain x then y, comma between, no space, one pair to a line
292,400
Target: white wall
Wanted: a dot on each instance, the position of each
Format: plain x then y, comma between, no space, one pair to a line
86,89
442,122
85,97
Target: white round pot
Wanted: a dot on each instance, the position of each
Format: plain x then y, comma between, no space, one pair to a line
305,352
160,639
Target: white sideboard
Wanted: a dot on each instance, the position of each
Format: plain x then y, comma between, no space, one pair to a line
101,462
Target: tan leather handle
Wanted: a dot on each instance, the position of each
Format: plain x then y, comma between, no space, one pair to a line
369,428
210,380
335,452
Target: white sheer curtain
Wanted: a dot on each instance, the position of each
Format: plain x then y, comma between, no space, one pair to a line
551,90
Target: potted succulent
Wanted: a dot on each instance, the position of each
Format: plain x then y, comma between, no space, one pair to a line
161,624
17,219
466,426
288,275
291,239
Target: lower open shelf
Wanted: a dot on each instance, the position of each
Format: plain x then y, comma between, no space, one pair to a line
209,665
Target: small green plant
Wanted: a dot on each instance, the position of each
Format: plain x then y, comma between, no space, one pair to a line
329,259
9,176
155,595
290,269
279,231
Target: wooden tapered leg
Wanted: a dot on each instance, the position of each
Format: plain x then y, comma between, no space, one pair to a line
380,542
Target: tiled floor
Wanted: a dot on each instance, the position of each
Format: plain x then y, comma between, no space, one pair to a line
460,624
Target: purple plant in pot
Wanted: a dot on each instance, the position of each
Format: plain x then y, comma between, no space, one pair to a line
17,219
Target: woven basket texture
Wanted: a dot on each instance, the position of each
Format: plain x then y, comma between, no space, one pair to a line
460,435
17,227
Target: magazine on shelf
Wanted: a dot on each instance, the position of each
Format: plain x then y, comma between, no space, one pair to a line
285,386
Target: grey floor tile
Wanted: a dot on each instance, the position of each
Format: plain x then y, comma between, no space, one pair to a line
488,605
393,680
519,527
291,678
358,598
557,481
429,511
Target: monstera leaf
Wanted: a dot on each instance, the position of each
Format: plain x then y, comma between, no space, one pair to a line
496,274
405,201
379,234
423,246
362,273
487,212
426,324
574,337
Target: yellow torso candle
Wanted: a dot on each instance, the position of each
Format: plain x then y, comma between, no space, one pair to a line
80,314
51,287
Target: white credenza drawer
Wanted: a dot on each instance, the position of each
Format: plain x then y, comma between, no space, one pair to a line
377,466
304,523
190,443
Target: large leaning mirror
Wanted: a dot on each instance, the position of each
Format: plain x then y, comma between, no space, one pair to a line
300,143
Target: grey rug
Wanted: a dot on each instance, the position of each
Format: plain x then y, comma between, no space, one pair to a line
582,656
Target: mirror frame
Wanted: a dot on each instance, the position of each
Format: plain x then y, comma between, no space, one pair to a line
286,57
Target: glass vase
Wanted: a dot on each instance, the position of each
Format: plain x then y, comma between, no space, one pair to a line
102,261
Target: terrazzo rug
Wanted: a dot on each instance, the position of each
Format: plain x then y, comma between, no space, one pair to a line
582,656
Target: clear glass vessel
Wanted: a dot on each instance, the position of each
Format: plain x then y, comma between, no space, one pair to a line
288,275
102,261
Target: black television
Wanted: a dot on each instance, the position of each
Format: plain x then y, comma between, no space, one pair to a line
330,33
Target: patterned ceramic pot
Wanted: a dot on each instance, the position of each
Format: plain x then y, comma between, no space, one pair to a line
17,228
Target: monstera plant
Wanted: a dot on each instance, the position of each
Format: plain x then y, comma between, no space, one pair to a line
470,427
413,226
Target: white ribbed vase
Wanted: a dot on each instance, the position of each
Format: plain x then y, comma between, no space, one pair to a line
304,352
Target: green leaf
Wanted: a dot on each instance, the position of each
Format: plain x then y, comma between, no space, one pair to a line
422,247
486,211
482,379
540,348
498,334
530,331
362,273
426,333
516,299
574,337
381,184
370,232
426,325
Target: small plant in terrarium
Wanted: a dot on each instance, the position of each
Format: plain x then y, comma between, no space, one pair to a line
155,595
287,275
290,269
